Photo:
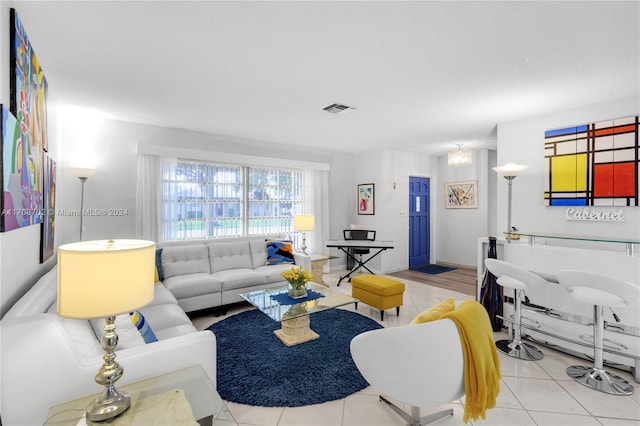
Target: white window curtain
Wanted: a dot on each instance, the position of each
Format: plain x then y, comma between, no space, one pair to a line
148,219
317,203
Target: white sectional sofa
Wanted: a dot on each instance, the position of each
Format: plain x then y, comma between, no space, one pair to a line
207,274
46,359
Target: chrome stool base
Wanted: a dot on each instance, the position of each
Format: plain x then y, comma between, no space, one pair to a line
519,350
600,380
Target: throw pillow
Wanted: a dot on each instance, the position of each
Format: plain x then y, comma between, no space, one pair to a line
159,273
279,252
143,327
435,312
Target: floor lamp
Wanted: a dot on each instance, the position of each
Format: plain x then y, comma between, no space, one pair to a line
83,174
304,223
510,172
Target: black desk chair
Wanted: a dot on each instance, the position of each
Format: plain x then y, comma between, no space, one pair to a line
359,234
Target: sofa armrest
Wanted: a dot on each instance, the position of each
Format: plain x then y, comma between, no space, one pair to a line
303,260
169,355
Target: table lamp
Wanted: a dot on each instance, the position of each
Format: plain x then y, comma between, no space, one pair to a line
303,222
104,279
510,172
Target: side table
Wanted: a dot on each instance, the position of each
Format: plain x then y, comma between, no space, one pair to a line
207,406
317,262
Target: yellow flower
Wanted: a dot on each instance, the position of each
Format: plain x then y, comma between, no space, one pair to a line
297,276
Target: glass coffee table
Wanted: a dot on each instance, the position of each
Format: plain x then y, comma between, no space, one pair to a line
294,314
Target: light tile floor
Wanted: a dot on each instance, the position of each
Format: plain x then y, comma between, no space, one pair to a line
531,393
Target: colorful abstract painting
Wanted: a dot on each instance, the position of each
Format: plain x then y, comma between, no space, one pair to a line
48,223
366,198
22,178
28,84
461,195
593,164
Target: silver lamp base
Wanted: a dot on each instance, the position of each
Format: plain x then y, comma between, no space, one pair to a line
110,402
520,350
600,380
107,405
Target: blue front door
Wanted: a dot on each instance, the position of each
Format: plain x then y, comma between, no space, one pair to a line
419,229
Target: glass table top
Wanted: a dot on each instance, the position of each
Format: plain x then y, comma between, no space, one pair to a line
264,300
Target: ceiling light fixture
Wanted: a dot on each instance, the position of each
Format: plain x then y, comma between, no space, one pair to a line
460,157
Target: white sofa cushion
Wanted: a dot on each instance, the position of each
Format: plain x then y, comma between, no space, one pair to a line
240,278
229,255
185,260
164,317
258,249
191,285
273,273
162,296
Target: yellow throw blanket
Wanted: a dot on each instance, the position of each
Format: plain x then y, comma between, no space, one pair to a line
481,362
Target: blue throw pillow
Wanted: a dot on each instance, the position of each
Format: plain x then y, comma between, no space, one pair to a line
279,252
159,264
143,327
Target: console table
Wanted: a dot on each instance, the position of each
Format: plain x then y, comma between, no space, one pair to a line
553,317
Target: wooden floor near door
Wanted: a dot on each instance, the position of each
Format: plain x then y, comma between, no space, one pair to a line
462,279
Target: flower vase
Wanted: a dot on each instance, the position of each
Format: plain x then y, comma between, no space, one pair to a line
298,292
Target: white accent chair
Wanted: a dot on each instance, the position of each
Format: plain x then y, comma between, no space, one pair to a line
599,291
420,365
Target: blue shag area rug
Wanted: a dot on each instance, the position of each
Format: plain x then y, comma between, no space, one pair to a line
433,269
256,368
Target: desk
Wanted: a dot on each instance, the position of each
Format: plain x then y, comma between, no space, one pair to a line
343,245
207,406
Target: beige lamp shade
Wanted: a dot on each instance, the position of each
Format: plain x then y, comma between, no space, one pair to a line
83,172
303,222
102,278
510,170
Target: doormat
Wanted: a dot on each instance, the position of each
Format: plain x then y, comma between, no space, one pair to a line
433,269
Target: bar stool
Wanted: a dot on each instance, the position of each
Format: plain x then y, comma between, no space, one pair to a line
599,291
519,279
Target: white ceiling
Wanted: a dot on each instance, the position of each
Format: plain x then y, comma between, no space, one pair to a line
422,75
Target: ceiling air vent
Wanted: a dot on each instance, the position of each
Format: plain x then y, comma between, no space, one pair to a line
338,109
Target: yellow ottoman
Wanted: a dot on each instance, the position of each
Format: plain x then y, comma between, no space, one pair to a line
377,291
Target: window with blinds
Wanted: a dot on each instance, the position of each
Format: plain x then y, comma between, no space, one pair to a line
205,200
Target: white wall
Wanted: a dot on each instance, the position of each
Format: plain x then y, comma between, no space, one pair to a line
459,229
391,222
522,142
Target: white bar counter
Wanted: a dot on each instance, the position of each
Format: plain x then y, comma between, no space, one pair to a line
554,318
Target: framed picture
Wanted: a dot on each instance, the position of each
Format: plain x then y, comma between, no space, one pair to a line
366,198
461,195
22,178
28,85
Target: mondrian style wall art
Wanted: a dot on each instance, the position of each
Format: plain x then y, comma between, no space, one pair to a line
593,164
